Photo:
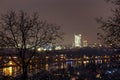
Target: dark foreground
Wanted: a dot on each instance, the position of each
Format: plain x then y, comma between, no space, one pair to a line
88,72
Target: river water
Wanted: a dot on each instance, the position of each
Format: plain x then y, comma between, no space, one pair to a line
14,70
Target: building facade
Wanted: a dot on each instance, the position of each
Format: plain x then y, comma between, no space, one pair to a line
77,40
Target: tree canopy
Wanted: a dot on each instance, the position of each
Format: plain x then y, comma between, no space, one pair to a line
111,27
25,33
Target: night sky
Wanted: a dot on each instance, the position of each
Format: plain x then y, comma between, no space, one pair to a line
74,16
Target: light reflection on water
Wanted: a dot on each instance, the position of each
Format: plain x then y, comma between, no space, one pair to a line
7,71
47,67
15,70
10,69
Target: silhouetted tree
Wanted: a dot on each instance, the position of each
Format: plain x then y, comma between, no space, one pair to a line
25,33
116,2
111,26
111,33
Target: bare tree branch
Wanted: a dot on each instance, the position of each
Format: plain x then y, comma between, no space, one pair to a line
26,33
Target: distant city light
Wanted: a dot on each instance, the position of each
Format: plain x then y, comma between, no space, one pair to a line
44,49
58,48
50,49
10,63
98,76
100,45
39,49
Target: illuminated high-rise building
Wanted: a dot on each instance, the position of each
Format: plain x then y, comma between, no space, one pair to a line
77,40
85,43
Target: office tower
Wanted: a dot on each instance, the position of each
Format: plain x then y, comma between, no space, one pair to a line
77,40
85,43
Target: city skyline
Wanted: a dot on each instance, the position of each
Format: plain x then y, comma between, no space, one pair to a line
74,16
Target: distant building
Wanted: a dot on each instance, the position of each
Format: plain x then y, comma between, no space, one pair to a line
85,43
77,40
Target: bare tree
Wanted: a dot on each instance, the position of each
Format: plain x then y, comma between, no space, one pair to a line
116,2
111,27
25,33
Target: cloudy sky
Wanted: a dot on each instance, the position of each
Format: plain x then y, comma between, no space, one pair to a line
74,16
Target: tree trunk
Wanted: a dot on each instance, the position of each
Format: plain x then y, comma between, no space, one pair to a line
24,72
